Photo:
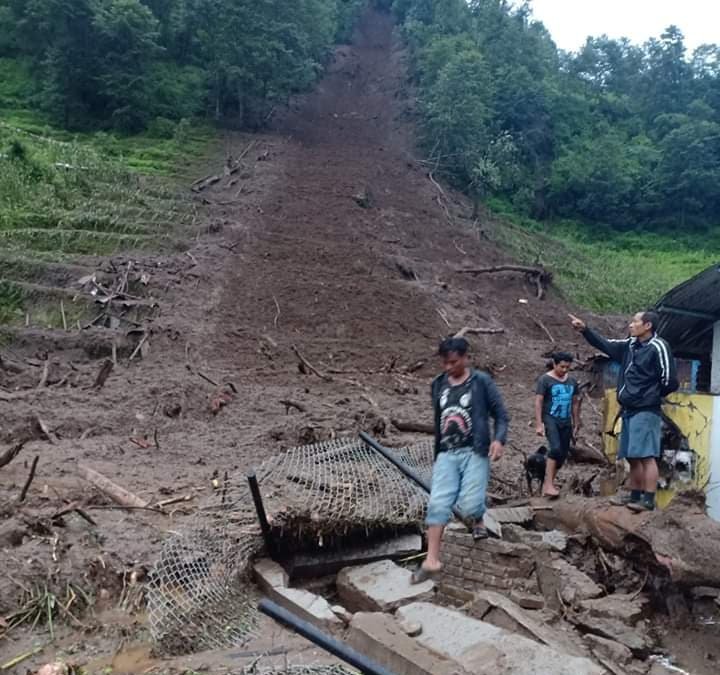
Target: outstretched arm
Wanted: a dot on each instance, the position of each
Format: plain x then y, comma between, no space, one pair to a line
615,349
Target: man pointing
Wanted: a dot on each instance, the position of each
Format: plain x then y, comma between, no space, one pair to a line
647,374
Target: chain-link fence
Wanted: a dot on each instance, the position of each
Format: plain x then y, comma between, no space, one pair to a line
316,497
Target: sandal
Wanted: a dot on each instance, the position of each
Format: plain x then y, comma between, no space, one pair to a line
480,532
422,574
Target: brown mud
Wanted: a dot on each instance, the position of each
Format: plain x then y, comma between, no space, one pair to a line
332,243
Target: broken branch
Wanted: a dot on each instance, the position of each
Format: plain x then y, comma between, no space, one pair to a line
467,330
103,375
11,453
413,427
29,480
309,366
118,494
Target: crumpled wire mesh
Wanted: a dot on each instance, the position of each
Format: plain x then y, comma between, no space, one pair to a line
315,496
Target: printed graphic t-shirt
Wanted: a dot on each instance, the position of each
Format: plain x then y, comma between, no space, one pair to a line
557,396
455,416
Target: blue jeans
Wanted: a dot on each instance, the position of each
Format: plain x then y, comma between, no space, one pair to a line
460,478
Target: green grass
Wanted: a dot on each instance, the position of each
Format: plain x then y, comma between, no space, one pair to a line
602,269
65,195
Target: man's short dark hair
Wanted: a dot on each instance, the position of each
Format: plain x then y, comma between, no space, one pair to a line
459,345
651,317
559,357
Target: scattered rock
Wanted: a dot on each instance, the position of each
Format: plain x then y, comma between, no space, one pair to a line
382,586
527,600
341,613
612,629
502,612
410,628
484,649
618,606
57,668
560,578
608,649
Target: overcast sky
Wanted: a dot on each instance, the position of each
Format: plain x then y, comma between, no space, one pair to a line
571,21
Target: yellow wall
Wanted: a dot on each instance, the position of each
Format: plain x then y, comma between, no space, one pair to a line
693,415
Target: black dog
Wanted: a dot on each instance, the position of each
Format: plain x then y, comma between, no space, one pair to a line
535,467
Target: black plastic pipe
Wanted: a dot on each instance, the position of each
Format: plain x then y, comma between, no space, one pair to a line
316,636
413,475
262,517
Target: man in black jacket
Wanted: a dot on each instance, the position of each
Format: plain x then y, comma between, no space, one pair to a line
463,401
647,374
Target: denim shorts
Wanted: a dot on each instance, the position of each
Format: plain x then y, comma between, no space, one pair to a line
640,436
460,478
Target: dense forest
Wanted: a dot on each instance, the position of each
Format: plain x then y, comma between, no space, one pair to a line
126,63
619,134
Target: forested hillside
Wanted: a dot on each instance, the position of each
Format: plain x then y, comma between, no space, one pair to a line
125,63
622,134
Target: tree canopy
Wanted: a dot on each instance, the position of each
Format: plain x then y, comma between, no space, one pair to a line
126,62
617,133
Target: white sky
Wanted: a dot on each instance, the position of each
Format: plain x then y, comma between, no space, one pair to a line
571,21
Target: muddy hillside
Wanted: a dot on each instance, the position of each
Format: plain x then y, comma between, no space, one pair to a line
322,271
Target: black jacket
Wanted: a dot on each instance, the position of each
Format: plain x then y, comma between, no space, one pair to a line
647,370
486,402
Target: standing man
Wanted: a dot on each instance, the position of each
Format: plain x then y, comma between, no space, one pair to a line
463,400
647,374
557,416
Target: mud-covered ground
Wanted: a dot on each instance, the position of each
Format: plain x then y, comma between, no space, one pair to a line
330,244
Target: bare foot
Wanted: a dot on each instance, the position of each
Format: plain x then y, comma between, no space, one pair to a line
550,491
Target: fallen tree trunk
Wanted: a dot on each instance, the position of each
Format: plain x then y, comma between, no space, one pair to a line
414,427
680,540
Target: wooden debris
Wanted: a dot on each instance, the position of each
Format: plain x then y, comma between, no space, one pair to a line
11,453
45,372
29,480
292,404
118,494
204,183
42,430
467,330
541,277
309,368
139,348
413,427
77,508
104,373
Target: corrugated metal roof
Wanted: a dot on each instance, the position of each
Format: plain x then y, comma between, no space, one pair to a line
688,312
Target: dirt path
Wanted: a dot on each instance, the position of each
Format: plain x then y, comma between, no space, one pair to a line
332,240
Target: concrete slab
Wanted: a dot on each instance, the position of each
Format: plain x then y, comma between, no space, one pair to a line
268,575
380,587
634,639
626,608
331,562
307,606
483,649
502,612
608,649
381,638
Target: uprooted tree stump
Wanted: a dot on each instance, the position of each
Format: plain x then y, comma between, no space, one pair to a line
538,276
681,539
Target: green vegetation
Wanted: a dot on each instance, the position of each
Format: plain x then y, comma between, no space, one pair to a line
617,134
124,64
600,268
